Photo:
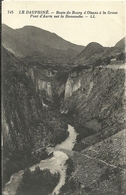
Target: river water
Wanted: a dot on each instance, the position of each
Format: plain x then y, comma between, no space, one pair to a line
55,164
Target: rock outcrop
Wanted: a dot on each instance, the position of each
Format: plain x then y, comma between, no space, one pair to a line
95,98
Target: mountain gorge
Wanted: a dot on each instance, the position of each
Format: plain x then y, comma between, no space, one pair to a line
49,83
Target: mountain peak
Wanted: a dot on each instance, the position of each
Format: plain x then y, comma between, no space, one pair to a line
91,49
94,45
121,44
30,39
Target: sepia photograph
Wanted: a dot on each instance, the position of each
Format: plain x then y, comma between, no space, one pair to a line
63,98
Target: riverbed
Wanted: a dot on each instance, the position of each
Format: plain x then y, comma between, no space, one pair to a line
56,164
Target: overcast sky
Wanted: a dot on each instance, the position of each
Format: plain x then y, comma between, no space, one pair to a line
105,29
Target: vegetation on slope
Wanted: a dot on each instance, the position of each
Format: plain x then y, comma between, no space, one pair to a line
70,185
38,182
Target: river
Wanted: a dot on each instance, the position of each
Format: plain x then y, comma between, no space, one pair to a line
55,164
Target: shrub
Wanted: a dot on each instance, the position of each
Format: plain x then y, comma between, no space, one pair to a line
38,182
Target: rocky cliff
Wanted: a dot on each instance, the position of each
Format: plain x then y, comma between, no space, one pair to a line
96,100
28,124
71,86
42,81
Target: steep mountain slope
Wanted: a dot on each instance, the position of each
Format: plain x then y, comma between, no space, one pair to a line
28,124
95,99
100,169
90,54
23,42
90,50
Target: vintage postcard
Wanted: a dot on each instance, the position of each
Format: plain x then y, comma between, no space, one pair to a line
63,95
